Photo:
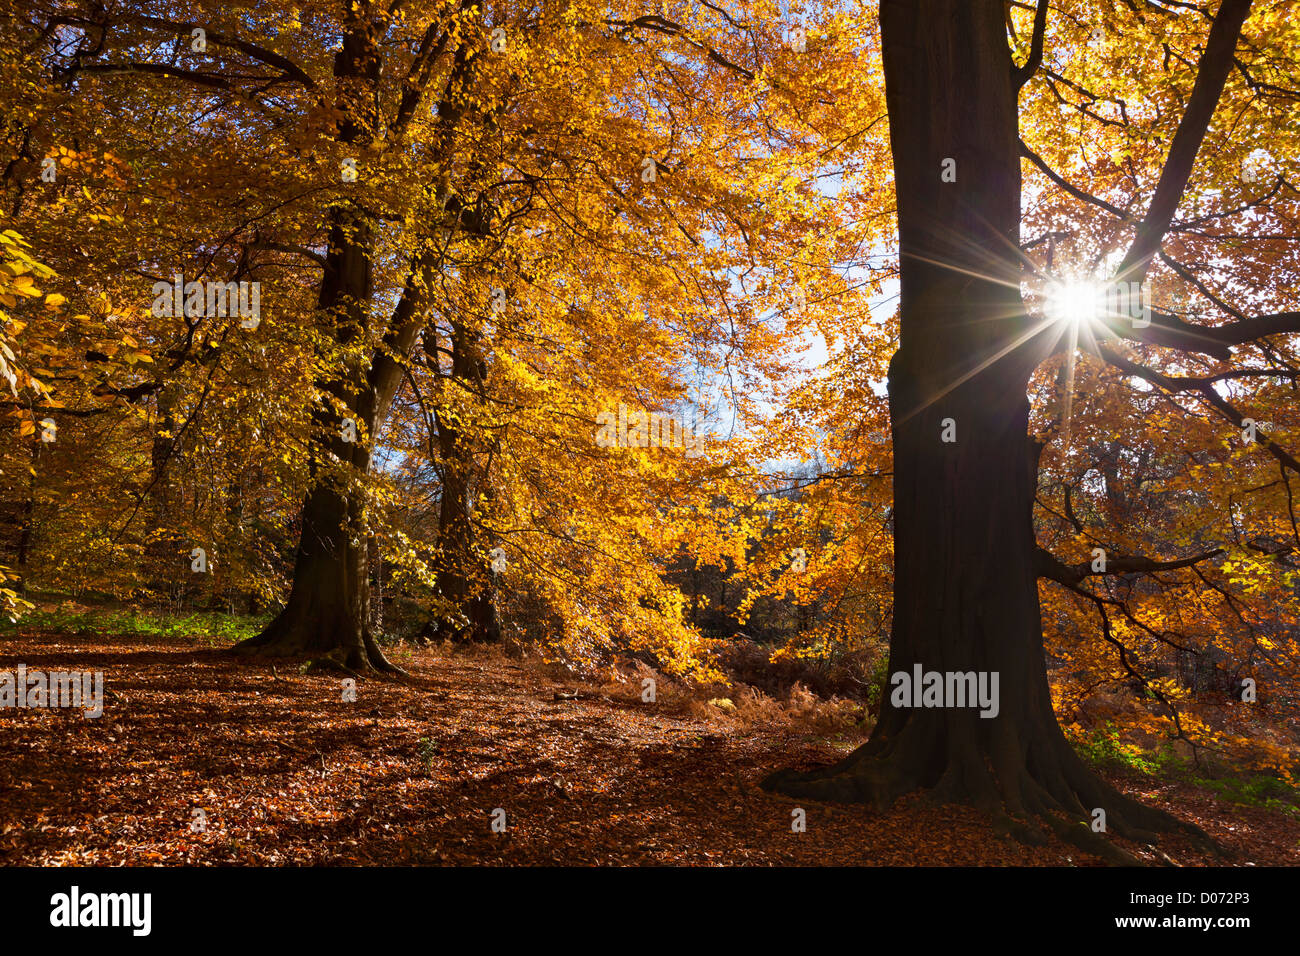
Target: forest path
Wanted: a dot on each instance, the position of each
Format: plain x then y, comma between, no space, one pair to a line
273,768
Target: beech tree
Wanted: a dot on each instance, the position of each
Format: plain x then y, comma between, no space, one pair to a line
965,457
484,233
470,236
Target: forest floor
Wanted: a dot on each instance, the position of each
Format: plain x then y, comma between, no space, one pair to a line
200,757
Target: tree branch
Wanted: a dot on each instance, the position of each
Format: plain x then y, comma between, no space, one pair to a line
1047,565
1212,72
1026,72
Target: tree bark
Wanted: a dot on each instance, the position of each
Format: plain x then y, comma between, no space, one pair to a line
327,613
965,592
328,608
463,578
27,523
169,559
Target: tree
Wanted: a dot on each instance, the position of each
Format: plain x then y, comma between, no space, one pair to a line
19,272
966,557
518,252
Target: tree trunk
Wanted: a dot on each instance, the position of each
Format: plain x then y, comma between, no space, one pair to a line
27,522
463,579
328,607
168,556
965,591
377,593
327,612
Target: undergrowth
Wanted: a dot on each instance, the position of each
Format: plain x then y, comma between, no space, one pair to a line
215,629
1104,749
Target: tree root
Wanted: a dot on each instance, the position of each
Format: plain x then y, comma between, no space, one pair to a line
1052,788
279,640
377,659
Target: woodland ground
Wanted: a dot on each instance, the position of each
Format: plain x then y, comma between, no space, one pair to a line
287,773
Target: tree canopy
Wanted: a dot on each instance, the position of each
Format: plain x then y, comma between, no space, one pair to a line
615,329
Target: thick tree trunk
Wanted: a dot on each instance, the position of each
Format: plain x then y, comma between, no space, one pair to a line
328,607
965,592
327,612
375,559
168,556
27,521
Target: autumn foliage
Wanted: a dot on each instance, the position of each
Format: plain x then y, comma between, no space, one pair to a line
492,243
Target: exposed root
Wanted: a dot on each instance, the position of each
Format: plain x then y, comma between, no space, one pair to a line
1078,834
332,665
378,660
281,640
859,778
250,646
1050,789
1024,831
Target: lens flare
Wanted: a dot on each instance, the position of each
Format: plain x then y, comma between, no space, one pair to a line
1075,303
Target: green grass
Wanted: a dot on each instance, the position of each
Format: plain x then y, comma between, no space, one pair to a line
210,627
1255,790
1103,749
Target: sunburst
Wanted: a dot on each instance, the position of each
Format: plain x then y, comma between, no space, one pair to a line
1079,306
